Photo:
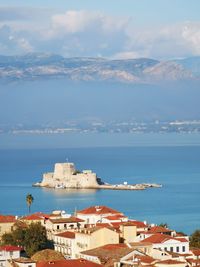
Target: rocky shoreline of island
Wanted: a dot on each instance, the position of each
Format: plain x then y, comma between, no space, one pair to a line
142,186
66,176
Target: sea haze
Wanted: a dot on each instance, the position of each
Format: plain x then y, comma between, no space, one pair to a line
55,102
177,168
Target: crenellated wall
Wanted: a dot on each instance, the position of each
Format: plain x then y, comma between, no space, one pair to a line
66,175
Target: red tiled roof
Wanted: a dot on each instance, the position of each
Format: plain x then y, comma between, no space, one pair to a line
67,234
66,220
103,224
114,246
10,248
161,238
68,263
139,224
196,251
36,216
170,262
7,219
99,210
194,261
115,217
33,217
145,259
108,254
159,229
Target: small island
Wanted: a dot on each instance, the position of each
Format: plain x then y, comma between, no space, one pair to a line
66,176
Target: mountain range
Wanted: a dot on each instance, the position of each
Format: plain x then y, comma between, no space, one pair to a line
141,70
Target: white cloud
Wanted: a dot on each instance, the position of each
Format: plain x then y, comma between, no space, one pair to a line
87,33
74,21
24,45
170,41
191,34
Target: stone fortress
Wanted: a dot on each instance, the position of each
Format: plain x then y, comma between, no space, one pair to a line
65,175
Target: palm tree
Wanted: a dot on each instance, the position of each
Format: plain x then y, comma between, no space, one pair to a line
29,201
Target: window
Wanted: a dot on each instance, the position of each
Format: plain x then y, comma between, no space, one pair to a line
171,249
165,249
65,225
183,249
58,227
177,249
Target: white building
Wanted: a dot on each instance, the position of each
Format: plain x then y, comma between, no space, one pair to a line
96,214
54,226
8,253
71,243
169,243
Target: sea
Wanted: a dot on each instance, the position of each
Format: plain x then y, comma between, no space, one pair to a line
170,160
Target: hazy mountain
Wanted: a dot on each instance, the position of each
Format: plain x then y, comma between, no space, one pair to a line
141,70
191,63
51,90
56,101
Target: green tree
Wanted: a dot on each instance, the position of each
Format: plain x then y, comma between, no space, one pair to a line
29,201
163,225
35,238
195,239
32,238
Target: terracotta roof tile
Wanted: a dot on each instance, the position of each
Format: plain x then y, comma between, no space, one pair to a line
68,263
115,217
33,217
7,219
99,210
196,251
10,248
67,234
161,238
139,224
109,253
159,229
66,220
170,262
145,259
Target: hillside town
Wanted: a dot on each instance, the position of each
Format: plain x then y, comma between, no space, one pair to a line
97,236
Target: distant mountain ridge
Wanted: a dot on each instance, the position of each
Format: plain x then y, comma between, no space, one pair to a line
141,70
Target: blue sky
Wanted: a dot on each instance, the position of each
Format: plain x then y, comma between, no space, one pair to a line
108,28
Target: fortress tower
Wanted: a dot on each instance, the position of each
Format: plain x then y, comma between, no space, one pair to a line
66,175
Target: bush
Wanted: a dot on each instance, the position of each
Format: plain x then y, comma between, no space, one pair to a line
32,239
195,239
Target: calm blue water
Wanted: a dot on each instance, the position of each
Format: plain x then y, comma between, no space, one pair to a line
176,167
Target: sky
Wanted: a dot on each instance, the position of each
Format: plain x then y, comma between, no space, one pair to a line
160,29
